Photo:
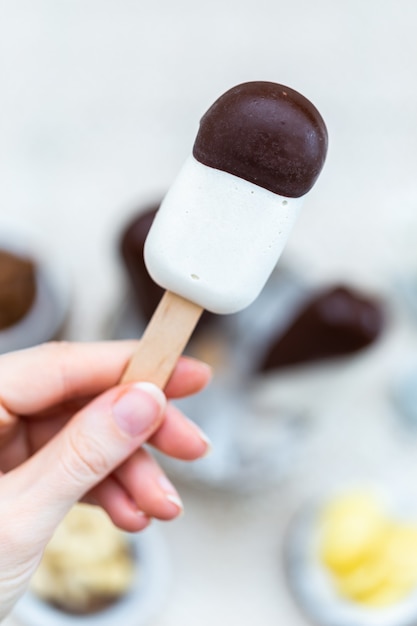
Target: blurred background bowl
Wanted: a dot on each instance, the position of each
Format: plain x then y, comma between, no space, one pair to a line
139,607
46,317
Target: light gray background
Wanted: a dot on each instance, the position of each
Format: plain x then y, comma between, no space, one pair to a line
100,102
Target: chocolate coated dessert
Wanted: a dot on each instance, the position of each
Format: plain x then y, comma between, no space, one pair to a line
267,134
17,287
335,322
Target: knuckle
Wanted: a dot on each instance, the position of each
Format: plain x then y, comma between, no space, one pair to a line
83,459
59,352
55,348
18,544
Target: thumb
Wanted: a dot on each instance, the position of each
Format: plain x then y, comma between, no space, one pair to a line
96,441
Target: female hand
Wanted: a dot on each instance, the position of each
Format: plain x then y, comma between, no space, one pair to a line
69,431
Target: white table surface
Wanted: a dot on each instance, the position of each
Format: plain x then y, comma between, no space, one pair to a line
100,102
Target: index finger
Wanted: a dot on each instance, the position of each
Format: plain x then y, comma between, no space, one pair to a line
34,379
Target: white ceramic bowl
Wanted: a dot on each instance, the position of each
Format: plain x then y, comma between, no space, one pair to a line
137,608
48,313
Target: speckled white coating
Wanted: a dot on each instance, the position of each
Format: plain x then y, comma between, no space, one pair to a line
216,237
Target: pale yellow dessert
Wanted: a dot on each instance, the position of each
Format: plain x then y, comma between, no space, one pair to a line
87,565
372,557
353,529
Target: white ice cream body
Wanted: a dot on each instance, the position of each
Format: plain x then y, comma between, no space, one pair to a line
216,238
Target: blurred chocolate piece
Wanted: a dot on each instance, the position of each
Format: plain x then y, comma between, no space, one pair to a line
334,323
146,292
17,287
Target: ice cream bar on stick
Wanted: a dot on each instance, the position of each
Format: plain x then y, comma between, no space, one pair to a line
224,222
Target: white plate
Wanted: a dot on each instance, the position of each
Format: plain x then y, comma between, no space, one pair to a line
145,600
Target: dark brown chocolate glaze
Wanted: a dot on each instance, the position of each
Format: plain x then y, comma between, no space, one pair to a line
336,322
267,134
17,287
146,293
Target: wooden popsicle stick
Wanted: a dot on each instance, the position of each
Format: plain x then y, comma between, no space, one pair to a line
163,341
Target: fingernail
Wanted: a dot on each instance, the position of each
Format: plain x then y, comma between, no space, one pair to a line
138,512
204,439
7,420
134,508
138,408
171,493
207,367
